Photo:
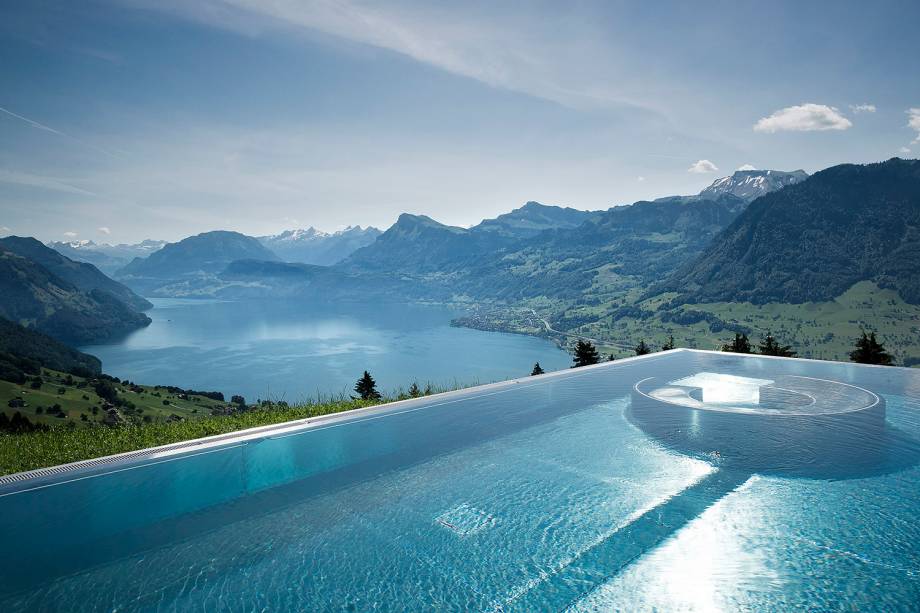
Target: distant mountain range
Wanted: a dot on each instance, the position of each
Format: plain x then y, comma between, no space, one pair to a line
312,246
73,302
105,257
758,236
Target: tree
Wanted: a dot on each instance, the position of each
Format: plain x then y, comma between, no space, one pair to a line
414,391
642,348
770,346
585,354
238,400
611,357
741,344
669,345
366,387
537,370
870,351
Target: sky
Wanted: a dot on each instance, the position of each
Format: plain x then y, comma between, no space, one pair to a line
122,120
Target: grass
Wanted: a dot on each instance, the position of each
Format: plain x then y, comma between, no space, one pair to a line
80,405
20,452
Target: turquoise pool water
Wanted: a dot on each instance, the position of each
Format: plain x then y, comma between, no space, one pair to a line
686,480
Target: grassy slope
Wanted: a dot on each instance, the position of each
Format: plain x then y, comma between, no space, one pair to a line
825,330
76,401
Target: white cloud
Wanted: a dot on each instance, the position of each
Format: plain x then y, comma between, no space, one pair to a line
104,230
806,117
904,150
702,167
640,178
5,229
70,234
913,122
863,108
747,167
41,181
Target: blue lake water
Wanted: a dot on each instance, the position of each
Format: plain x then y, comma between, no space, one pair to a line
291,350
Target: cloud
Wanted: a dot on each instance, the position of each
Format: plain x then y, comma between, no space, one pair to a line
913,122
702,167
806,117
5,229
44,128
555,57
41,181
863,108
640,178
747,167
70,234
904,150
104,230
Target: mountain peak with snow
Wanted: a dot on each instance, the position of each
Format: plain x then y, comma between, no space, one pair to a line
752,184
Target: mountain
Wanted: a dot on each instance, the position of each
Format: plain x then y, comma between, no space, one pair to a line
812,241
312,246
752,184
204,254
33,296
105,257
21,342
84,276
533,218
417,244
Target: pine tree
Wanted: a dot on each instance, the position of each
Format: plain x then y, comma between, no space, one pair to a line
741,344
669,345
414,390
770,346
366,387
585,354
611,357
537,370
642,348
870,351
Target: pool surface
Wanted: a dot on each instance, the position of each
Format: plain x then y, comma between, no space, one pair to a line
684,480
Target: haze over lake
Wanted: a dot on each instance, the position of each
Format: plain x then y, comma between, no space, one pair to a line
292,351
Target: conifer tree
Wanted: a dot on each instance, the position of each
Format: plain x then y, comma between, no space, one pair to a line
770,346
537,370
669,345
741,344
366,387
414,390
585,354
870,351
642,348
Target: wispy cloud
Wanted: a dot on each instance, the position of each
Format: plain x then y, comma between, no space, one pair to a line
905,150
702,167
40,126
104,230
70,234
747,167
913,122
862,108
42,181
564,60
806,117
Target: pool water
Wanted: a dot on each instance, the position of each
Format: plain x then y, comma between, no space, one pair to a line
579,491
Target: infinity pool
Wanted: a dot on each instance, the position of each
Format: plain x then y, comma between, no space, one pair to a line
683,480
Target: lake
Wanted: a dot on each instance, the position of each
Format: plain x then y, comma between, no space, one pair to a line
293,351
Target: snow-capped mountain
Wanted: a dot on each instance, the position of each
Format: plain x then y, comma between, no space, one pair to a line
312,246
752,184
107,258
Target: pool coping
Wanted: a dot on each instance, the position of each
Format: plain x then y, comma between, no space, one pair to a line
299,426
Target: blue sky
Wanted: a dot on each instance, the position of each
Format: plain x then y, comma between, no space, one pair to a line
128,119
